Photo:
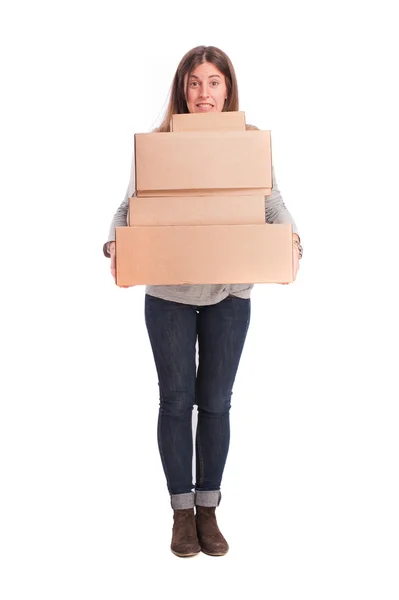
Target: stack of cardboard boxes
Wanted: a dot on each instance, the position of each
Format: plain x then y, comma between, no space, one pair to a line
198,214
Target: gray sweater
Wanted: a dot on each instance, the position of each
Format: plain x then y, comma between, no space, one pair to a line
200,295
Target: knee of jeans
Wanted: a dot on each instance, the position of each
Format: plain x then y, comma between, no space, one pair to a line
214,404
176,403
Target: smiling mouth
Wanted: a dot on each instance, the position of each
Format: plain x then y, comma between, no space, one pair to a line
204,105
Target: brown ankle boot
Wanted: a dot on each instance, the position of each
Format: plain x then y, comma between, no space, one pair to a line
210,537
184,533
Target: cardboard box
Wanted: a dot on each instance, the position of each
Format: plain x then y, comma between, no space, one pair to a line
213,121
196,210
203,163
204,254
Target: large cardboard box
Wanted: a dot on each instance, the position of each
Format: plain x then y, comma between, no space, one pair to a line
213,121
205,254
203,163
196,210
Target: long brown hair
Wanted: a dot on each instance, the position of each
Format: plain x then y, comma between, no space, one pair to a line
190,61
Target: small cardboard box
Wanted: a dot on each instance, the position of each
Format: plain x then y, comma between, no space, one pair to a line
203,163
212,121
204,254
196,210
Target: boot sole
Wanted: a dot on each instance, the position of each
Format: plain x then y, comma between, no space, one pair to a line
185,555
214,553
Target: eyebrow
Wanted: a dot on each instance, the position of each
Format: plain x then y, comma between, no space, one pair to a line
196,76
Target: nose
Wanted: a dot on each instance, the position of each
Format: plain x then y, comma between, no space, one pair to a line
204,91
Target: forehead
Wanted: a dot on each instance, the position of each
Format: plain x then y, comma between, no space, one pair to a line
204,70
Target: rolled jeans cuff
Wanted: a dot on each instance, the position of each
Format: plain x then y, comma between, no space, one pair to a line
208,498
179,501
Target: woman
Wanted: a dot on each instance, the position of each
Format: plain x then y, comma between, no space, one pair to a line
215,316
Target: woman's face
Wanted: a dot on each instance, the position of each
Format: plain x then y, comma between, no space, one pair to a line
207,90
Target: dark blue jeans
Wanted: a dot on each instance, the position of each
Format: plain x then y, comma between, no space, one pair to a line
174,329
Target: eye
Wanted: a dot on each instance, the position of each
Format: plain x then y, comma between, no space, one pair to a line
215,83
193,83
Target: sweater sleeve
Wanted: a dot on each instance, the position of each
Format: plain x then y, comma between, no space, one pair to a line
119,220
120,216
275,209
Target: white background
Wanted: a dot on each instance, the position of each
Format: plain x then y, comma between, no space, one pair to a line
310,491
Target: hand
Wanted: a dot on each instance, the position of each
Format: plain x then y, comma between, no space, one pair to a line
295,262
112,253
113,259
